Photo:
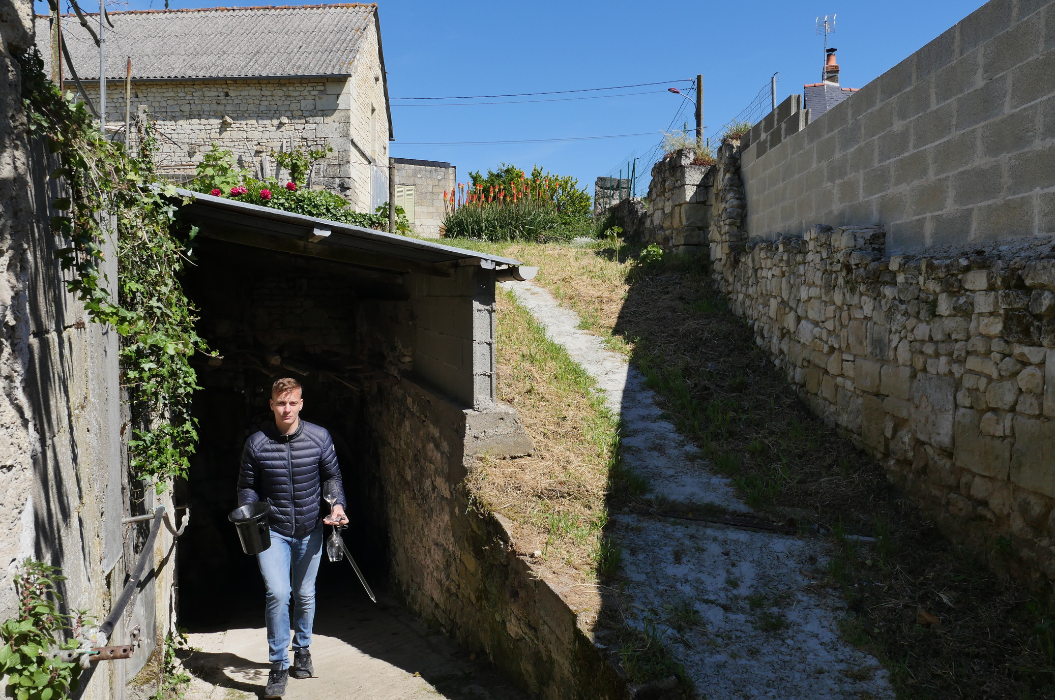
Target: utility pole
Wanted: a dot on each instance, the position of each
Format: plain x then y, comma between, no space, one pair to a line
56,46
102,65
128,100
699,112
391,195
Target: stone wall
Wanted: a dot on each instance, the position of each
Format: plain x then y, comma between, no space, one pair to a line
679,208
457,566
252,117
64,485
607,192
941,365
948,147
430,180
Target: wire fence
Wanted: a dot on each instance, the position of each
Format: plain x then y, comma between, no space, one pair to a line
636,166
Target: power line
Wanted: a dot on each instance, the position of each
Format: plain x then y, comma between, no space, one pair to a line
487,143
520,102
552,92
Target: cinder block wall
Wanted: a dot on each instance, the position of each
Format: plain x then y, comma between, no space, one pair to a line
454,334
952,145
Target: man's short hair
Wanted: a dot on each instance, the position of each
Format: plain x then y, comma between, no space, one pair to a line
284,386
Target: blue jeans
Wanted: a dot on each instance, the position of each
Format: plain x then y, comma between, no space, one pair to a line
289,565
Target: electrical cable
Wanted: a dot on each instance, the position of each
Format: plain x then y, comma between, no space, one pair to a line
552,92
487,143
521,102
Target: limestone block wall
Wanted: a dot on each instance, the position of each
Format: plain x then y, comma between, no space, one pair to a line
679,203
430,180
63,481
252,117
946,148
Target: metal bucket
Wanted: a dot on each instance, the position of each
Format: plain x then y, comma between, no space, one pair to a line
252,525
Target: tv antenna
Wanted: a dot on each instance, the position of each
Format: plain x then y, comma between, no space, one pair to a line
826,26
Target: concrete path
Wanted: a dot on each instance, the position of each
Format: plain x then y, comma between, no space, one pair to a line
740,609
359,650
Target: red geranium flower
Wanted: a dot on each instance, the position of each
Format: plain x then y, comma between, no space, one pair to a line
216,193
265,194
291,186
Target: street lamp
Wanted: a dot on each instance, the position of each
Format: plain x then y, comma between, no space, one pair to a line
698,104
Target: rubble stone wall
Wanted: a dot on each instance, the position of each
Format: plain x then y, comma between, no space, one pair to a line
456,565
679,203
948,147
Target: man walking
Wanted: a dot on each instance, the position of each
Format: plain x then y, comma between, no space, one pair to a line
286,464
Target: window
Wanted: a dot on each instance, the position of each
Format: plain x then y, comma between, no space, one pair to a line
405,199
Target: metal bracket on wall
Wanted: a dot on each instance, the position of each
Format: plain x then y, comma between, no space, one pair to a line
168,520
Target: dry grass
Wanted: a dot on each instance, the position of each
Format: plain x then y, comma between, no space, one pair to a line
555,497
994,638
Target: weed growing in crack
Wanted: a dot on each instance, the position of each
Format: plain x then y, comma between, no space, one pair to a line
645,658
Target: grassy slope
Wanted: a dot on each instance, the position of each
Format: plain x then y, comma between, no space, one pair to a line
994,639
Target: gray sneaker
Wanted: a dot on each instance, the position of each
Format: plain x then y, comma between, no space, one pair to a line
302,667
276,681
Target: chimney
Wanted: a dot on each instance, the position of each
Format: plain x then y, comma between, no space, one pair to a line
831,68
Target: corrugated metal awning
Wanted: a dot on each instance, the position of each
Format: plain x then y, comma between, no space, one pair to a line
264,227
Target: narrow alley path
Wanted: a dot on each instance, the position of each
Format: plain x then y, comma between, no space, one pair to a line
361,651
742,610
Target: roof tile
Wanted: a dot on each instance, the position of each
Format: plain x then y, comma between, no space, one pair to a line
220,42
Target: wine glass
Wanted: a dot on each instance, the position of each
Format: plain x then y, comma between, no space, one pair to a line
330,493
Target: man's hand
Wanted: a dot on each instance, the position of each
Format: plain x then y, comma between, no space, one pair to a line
336,516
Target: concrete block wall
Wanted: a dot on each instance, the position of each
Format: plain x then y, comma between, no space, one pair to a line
430,180
946,148
454,334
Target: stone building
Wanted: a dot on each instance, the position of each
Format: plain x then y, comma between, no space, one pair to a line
420,185
253,80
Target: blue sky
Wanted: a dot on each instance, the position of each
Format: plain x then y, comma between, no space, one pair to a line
435,49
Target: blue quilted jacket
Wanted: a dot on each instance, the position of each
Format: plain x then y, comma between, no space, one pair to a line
287,471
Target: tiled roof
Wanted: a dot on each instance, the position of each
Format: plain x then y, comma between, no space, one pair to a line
221,42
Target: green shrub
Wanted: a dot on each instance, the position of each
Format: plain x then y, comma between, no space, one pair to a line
218,174
520,221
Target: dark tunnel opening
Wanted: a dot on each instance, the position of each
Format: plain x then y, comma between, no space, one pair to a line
269,315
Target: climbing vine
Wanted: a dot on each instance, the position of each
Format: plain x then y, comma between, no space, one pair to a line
28,658
109,195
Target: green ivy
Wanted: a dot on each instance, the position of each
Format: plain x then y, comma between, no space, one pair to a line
112,196
32,638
